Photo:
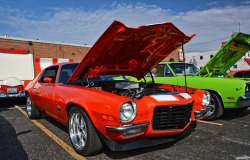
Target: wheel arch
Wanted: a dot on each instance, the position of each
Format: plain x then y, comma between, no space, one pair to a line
71,104
26,93
217,94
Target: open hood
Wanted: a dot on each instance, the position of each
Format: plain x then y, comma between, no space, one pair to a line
130,51
227,56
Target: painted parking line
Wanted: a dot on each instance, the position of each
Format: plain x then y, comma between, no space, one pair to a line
64,145
16,107
218,124
10,108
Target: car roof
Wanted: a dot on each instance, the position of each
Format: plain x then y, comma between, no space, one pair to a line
60,64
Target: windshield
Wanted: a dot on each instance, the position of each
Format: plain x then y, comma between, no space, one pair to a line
242,74
68,69
178,69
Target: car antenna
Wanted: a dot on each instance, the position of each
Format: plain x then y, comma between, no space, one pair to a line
184,60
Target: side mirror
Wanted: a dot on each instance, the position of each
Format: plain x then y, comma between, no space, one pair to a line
47,80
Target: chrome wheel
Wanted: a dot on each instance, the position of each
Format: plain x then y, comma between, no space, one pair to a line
212,106
28,104
78,130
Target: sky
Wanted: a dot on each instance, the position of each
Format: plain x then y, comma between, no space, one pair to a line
84,21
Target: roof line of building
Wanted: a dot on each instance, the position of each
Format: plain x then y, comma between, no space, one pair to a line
202,51
40,41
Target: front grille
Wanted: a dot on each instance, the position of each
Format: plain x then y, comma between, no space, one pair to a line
172,117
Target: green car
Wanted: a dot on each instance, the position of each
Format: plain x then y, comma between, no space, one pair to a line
225,92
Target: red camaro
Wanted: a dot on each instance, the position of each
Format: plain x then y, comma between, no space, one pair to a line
99,104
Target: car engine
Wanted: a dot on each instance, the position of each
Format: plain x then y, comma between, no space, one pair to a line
132,90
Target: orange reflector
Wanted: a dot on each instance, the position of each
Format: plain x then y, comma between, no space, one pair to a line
107,117
230,98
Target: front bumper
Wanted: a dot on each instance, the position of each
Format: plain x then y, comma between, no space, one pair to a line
4,95
244,101
140,142
127,127
200,113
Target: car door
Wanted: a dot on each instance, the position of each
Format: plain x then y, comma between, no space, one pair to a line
60,99
43,93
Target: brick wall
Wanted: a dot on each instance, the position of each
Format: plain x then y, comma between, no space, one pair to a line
46,49
174,55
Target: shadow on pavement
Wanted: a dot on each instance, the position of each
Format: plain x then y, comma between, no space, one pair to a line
140,151
55,123
10,146
11,102
231,114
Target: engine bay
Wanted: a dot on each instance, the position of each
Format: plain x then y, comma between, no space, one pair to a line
132,90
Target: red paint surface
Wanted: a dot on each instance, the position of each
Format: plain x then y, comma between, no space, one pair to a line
5,88
247,60
37,64
131,51
14,51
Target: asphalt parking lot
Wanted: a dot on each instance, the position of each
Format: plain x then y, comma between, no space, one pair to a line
21,138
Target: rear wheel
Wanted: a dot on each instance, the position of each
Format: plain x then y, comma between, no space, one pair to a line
82,133
32,111
216,108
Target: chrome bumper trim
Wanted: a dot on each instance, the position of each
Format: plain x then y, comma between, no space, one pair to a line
127,127
244,101
4,95
202,111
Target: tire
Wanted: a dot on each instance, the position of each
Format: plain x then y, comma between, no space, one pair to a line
32,111
82,134
216,106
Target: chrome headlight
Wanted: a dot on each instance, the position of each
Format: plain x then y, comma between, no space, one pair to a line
128,111
247,89
206,99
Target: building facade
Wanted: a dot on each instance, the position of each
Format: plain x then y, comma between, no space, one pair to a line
45,49
199,59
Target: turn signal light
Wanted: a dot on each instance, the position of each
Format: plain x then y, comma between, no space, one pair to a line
107,117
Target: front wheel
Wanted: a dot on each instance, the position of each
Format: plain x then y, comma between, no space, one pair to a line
83,136
216,108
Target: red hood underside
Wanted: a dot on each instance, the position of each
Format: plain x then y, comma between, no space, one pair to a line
130,51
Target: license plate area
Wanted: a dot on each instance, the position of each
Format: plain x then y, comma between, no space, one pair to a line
11,90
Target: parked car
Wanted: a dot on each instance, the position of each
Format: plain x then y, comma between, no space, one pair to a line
17,69
240,73
99,103
225,92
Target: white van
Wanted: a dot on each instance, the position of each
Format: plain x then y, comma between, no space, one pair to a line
16,69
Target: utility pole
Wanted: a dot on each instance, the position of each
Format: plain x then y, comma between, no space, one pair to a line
239,26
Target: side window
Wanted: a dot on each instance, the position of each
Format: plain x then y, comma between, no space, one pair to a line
168,72
159,70
49,72
247,75
238,74
66,72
